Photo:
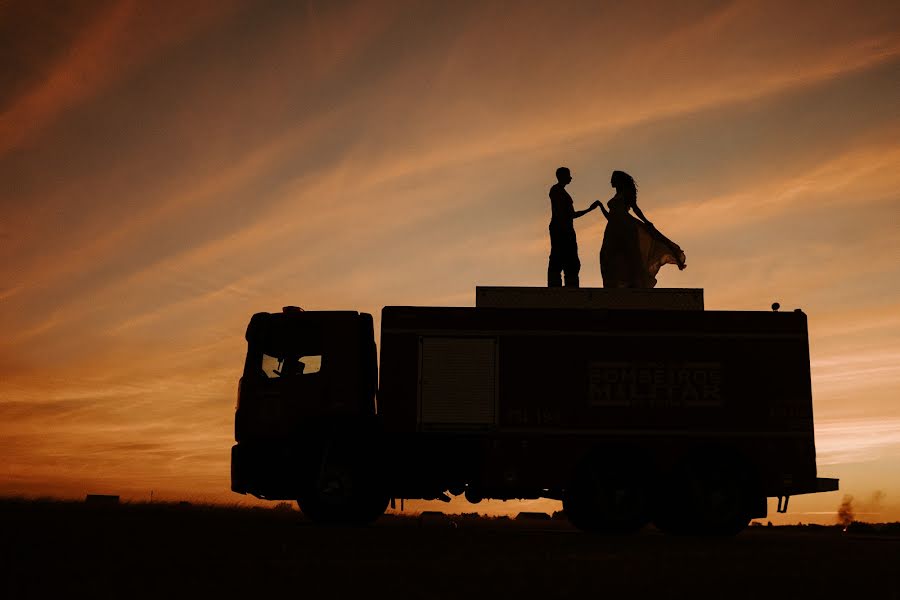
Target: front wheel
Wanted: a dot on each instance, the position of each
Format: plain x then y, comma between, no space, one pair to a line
344,492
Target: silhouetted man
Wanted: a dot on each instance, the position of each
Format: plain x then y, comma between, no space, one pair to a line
563,245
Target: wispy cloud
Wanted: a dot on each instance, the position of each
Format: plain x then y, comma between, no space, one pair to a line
857,440
122,37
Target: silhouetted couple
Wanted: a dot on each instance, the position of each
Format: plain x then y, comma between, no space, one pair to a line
633,249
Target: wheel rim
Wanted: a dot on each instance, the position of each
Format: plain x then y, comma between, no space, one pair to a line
336,486
613,504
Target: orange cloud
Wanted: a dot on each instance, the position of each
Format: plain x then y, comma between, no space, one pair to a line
119,40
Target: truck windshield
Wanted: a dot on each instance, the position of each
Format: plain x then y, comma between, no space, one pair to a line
290,365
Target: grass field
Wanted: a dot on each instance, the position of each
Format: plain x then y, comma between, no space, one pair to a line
68,549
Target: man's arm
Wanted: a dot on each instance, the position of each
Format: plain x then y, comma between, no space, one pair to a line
603,210
579,213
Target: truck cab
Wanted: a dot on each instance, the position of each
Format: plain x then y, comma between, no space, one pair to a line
309,378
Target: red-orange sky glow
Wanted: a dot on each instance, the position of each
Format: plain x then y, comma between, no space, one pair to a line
170,168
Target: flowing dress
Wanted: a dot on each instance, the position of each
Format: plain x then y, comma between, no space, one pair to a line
632,252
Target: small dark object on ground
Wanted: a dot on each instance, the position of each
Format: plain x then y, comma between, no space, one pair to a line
532,516
433,517
101,499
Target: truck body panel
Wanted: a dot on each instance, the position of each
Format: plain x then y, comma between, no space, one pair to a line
568,379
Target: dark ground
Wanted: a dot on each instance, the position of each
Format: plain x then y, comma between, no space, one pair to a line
73,550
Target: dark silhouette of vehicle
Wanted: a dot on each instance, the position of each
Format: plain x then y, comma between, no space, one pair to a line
630,406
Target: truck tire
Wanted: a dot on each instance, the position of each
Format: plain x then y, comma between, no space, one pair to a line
723,508
606,499
704,497
344,492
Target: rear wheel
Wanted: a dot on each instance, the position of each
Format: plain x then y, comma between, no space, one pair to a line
723,507
704,498
606,499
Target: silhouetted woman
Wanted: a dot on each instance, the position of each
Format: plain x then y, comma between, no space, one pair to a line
633,250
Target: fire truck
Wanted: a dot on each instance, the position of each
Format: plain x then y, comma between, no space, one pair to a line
629,406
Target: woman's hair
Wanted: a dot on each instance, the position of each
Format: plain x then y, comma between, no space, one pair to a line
623,182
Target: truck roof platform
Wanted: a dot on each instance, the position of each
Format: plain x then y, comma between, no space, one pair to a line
566,297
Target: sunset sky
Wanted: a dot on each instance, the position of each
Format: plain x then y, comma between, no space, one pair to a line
169,168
